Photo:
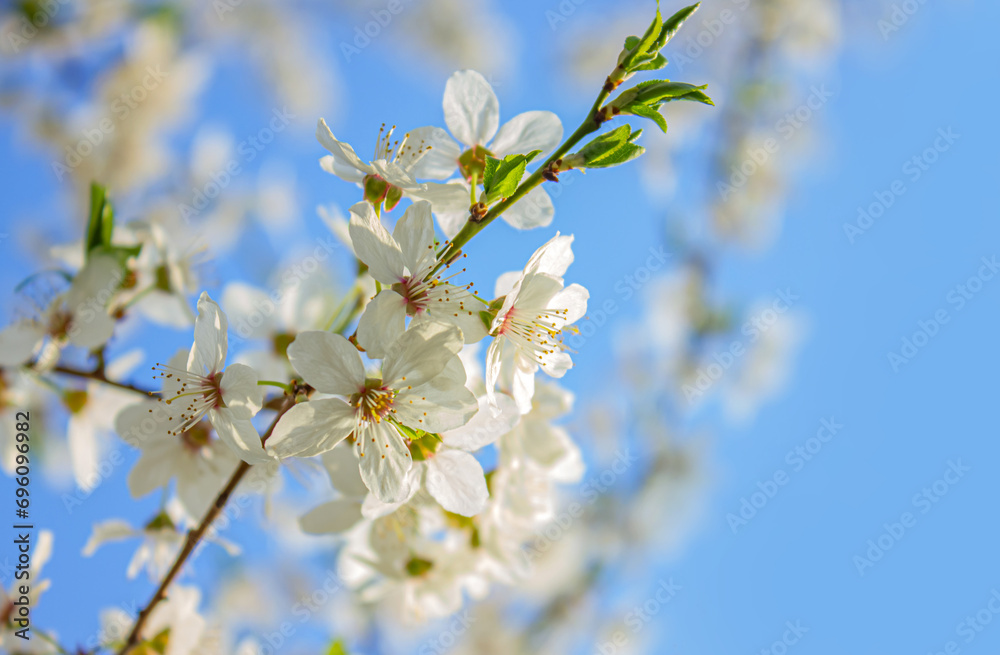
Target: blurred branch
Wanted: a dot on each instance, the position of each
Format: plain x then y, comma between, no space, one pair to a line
99,375
195,536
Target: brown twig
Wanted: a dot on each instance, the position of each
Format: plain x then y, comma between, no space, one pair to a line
195,536
99,375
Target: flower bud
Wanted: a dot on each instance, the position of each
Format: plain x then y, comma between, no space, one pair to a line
392,197
375,188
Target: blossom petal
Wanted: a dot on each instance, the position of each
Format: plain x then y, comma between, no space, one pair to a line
441,157
382,323
84,451
328,362
414,233
90,325
87,299
150,472
484,428
421,353
18,342
106,531
533,210
452,222
552,401
505,283
342,466
531,293
239,435
332,517
240,391
553,258
442,404
494,357
537,292
146,422
455,479
375,246
471,109
459,308
346,172
373,508
385,460
522,381
343,162
312,428
532,130
395,175
208,353
574,299
94,284
448,197
556,364
91,330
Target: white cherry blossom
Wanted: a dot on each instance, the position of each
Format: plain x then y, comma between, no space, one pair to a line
405,261
228,396
537,440
472,114
79,317
528,327
199,462
421,388
160,539
174,627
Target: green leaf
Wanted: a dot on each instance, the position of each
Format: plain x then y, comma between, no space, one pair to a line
609,149
625,153
638,49
101,222
673,24
492,163
647,112
652,34
654,64
656,92
698,96
504,179
605,143
531,155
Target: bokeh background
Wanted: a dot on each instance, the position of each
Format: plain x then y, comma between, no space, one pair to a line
882,107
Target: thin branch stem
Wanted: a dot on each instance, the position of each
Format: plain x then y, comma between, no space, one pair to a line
589,125
99,375
195,536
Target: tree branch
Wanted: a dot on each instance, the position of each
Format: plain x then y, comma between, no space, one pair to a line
195,536
99,375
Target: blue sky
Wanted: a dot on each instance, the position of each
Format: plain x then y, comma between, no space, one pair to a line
903,430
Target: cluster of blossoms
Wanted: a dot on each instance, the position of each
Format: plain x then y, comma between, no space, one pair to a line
443,452
398,409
